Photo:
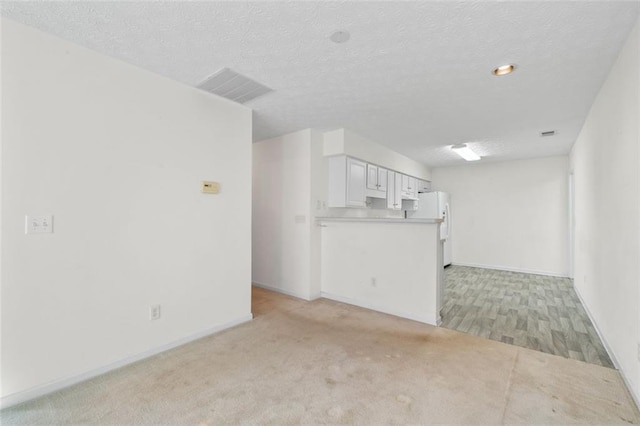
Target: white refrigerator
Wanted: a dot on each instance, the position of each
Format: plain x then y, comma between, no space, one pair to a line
435,205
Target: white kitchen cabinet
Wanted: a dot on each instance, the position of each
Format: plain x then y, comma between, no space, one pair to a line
424,185
376,181
394,190
409,188
413,188
372,177
347,182
352,181
356,183
391,191
382,179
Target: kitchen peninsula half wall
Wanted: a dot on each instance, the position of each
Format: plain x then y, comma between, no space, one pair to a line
299,245
388,265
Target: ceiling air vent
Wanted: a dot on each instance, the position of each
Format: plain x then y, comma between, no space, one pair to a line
231,85
547,133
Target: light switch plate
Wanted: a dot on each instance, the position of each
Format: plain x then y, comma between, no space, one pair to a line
38,224
209,187
154,312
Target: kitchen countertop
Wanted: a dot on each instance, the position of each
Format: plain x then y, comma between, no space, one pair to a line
376,219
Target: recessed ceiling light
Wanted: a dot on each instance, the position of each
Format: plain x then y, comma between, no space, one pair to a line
504,69
340,36
465,152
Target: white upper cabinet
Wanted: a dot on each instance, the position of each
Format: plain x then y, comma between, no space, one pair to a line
413,188
347,182
372,177
351,181
405,184
409,188
382,179
356,183
424,185
376,181
394,190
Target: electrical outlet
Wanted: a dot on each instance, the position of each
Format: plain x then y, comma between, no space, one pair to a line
154,312
38,224
373,282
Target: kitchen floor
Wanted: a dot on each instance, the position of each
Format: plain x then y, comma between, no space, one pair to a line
531,311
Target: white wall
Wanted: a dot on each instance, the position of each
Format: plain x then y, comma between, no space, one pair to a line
116,154
606,167
404,259
511,215
282,213
344,141
319,184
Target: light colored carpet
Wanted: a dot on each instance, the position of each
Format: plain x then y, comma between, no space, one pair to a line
323,362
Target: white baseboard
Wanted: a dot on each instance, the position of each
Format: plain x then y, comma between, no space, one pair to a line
424,319
510,269
427,319
316,296
270,287
636,397
56,385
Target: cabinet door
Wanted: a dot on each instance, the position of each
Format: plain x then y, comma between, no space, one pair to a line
424,186
397,201
412,190
372,176
356,183
391,190
382,179
405,184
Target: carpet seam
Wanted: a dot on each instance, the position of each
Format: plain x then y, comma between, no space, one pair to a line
508,389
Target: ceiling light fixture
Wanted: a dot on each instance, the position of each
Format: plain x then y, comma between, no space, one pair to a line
340,36
504,69
465,152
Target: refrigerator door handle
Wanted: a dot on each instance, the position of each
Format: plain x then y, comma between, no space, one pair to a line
445,226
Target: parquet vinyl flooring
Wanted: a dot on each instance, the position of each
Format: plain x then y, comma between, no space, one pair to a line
532,311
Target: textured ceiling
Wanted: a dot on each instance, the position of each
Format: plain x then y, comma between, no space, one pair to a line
415,76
